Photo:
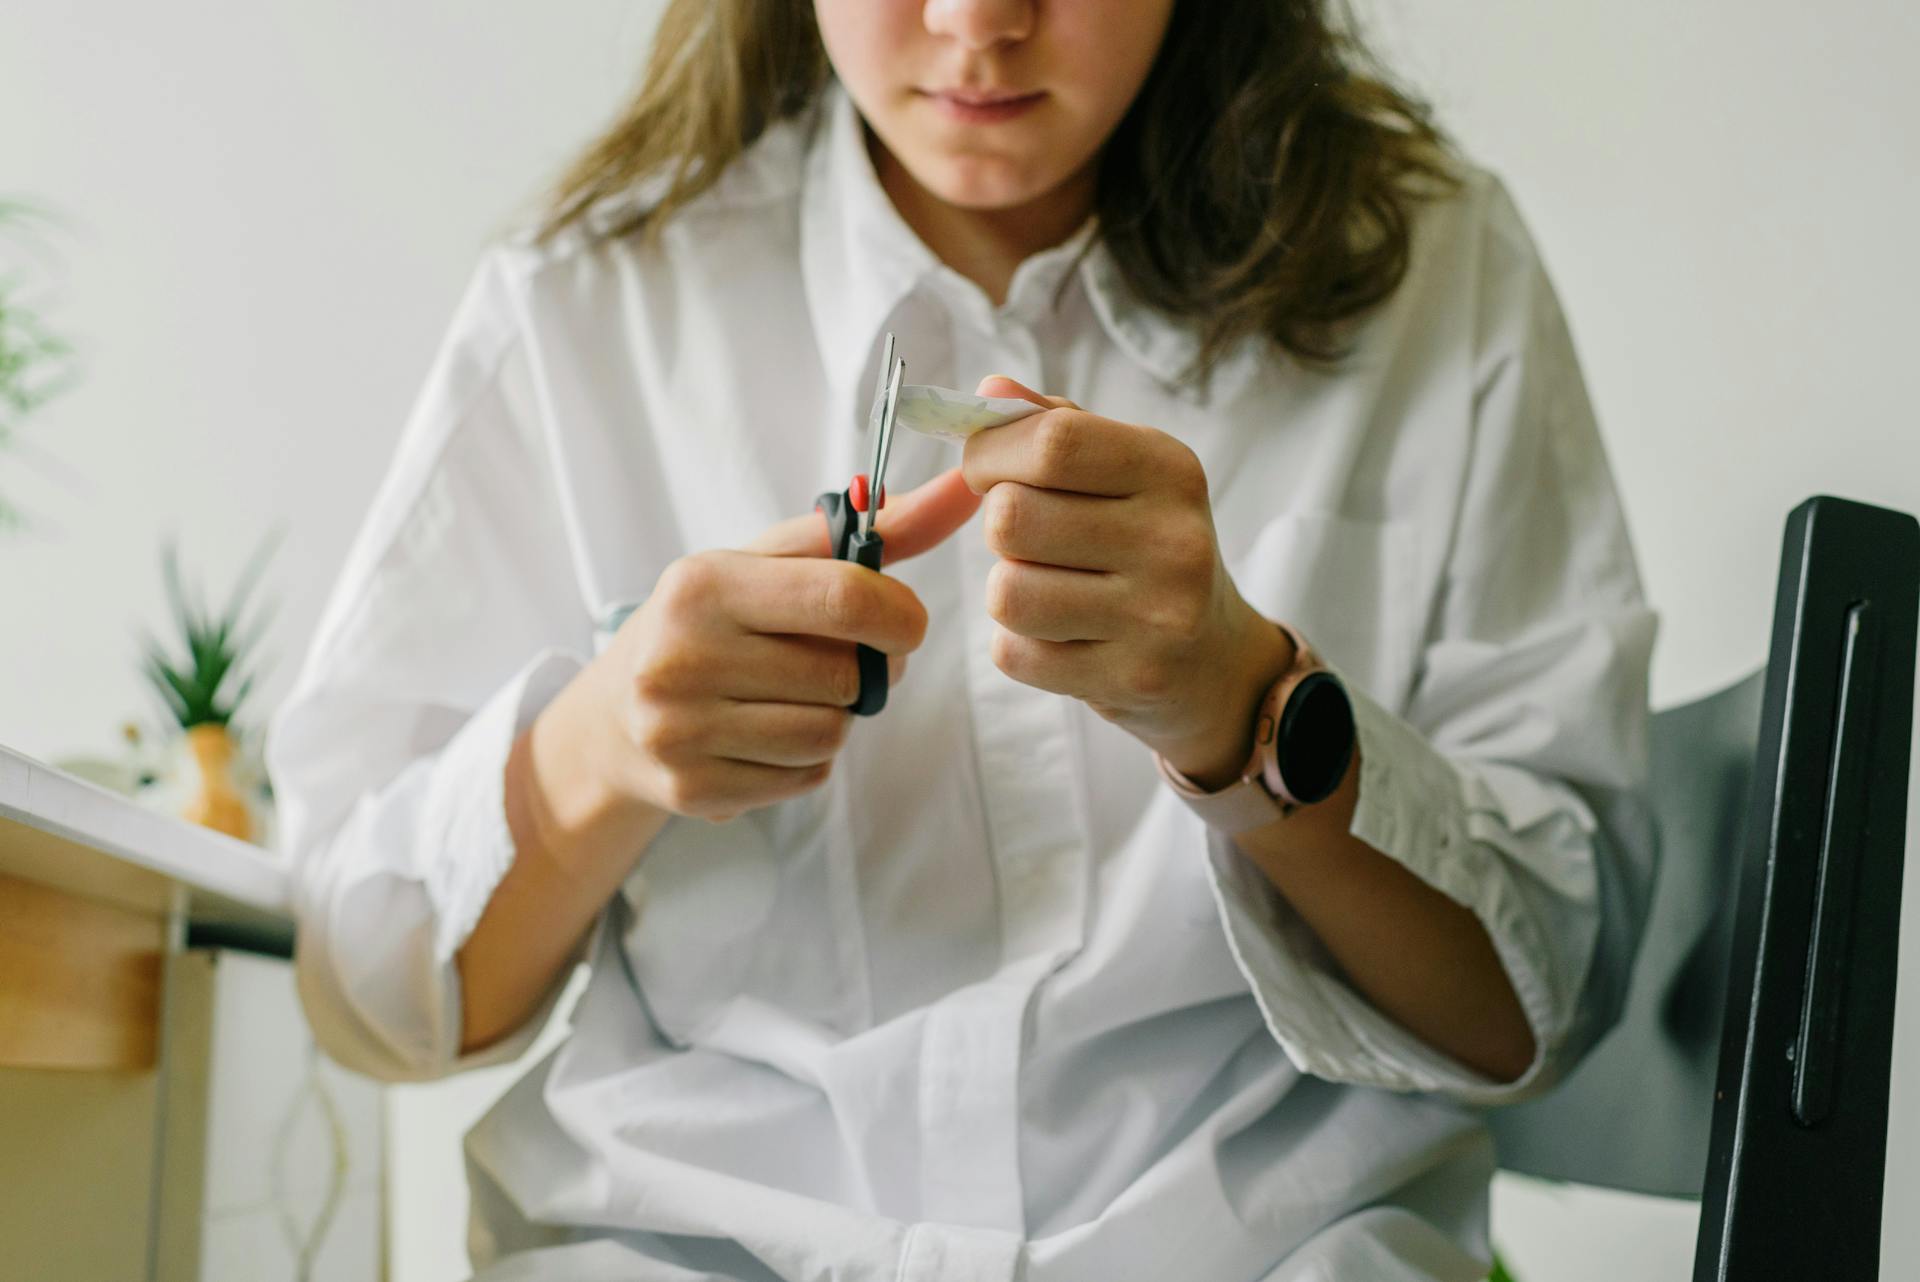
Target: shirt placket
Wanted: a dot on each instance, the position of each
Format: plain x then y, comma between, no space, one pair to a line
1024,750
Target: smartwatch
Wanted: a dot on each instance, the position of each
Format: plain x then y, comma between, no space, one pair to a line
1303,742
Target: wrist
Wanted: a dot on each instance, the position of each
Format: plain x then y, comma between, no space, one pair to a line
563,779
1215,757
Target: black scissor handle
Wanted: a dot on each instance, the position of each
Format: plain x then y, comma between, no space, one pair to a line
843,538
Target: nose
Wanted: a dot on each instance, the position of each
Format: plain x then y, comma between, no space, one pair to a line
980,24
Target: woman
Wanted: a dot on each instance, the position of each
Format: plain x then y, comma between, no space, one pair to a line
989,985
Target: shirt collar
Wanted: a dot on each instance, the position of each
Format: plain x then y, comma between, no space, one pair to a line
859,259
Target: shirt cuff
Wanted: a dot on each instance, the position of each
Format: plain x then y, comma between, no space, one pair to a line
1458,834
466,823
465,811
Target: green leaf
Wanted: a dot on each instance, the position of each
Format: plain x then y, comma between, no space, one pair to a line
210,687
166,682
36,365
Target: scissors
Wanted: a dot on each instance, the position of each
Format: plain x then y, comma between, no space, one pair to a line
850,515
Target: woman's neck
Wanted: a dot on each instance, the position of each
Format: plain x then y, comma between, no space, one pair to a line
984,245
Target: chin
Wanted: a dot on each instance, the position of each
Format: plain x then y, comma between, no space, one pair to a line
971,186
986,202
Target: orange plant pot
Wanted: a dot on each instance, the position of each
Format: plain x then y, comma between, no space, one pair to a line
216,803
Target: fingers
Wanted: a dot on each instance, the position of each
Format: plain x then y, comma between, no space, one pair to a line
923,517
1066,449
1058,527
793,735
719,789
908,523
834,599
1051,604
800,595
804,535
1001,385
797,669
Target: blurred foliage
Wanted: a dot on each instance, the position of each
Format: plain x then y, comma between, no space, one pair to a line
208,686
36,364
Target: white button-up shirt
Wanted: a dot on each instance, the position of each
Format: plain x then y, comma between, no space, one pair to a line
991,1003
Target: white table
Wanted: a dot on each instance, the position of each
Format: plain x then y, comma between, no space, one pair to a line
160,1111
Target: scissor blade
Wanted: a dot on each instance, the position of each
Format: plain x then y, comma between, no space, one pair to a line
882,447
887,421
880,383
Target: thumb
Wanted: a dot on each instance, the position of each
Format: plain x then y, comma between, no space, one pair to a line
1001,385
908,523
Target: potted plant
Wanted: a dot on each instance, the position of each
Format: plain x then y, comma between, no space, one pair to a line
212,783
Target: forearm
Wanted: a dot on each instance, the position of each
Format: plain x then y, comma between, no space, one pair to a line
1419,956
574,843
1423,959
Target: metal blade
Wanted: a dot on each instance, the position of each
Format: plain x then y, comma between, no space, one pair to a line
880,384
883,446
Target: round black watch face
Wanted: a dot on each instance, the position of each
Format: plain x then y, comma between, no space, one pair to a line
1315,737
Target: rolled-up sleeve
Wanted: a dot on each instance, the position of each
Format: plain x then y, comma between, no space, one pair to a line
1514,779
455,620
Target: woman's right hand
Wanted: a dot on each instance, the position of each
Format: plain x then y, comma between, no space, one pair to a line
725,691
729,688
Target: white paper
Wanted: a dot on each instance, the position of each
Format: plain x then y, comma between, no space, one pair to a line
943,412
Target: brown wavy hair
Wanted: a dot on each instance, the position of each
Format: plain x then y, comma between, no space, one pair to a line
1264,180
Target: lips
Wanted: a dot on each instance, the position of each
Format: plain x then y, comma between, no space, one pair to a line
980,98
982,106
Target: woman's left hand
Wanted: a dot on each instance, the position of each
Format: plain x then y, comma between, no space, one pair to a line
1110,587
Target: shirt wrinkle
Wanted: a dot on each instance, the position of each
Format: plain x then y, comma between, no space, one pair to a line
404,509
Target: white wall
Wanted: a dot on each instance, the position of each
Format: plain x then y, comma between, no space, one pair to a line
1725,192
274,210
277,206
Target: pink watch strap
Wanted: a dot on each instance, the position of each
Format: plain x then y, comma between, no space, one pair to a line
1258,796
1242,805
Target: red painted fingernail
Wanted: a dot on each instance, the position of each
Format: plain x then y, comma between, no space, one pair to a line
857,492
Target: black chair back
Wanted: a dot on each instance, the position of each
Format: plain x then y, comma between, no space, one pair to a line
1751,1062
